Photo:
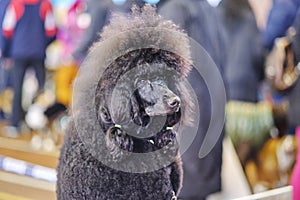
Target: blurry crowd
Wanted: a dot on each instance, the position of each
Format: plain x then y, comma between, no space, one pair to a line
241,36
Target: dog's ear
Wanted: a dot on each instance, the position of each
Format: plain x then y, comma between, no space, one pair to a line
137,112
116,141
134,109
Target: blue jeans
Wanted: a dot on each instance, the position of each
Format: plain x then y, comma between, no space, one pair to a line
5,77
19,69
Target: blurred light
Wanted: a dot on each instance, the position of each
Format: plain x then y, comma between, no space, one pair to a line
84,20
66,3
119,2
152,1
35,117
214,3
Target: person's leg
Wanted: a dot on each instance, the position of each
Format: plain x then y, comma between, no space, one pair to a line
19,70
2,76
2,87
39,68
5,74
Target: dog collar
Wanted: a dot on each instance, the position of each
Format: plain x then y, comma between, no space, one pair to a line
168,128
118,126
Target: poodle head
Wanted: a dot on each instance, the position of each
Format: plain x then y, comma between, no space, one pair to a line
140,99
156,98
139,105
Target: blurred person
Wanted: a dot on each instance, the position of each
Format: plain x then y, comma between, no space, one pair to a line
28,27
4,66
245,63
201,176
42,113
3,7
244,73
245,68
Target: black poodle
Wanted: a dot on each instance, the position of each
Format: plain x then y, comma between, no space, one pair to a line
138,103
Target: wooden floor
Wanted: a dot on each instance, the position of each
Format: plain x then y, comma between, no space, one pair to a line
21,148
13,186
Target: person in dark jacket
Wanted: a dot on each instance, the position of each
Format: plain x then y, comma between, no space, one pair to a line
245,63
28,27
3,7
4,69
202,176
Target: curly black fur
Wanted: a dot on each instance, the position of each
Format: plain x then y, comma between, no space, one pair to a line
82,176
153,101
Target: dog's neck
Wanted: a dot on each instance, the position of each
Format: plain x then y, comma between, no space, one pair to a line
152,143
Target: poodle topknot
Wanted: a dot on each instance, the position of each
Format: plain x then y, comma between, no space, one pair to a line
130,100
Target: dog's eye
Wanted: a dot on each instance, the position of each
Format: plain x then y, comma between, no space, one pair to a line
105,116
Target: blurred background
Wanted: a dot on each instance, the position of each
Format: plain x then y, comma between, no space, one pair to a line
254,43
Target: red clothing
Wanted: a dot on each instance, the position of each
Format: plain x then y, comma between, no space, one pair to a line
28,27
16,10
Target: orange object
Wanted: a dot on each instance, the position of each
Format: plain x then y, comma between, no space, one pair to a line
63,80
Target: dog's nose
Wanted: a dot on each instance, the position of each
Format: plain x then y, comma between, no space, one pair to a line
173,102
